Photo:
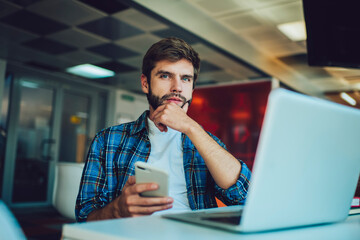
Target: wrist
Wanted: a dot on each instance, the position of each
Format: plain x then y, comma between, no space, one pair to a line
115,209
193,128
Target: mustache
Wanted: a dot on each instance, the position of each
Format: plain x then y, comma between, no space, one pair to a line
170,95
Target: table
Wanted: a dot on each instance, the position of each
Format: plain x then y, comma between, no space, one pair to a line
155,227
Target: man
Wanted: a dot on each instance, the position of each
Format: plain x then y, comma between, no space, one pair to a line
199,166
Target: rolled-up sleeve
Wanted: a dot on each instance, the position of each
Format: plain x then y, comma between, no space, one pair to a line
92,191
236,194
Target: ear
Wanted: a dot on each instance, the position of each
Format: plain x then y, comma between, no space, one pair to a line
144,84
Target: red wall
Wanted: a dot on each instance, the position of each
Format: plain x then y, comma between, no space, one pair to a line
234,113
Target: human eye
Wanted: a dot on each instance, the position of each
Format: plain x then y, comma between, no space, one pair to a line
187,79
164,75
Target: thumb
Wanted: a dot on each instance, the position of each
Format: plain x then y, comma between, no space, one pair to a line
131,181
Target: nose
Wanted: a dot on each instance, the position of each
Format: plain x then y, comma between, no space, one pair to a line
176,85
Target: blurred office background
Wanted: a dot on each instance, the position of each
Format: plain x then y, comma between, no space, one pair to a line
49,114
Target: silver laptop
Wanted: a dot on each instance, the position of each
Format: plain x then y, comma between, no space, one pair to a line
306,168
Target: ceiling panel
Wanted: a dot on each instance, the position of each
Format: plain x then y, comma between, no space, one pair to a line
32,22
203,50
329,85
78,38
140,20
241,21
264,34
69,12
24,3
43,66
49,46
283,12
282,49
174,32
206,66
112,51
111,28
117,67
135,61
107,6
14,35
20,53
82,56
268,3
216,7
343,72
299,62
140,43
217,76
230,65
7,8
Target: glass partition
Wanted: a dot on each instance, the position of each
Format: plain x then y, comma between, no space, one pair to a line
4,124
33,144
74,127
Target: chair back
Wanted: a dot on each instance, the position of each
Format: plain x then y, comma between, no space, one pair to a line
67,182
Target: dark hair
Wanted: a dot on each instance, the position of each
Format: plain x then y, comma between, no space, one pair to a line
171,49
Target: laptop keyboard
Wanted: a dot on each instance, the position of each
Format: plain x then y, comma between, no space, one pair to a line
232,218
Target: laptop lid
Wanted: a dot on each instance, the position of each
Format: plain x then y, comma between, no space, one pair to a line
307,163
306,168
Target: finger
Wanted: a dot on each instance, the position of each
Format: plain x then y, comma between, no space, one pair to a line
142,187
161,127
136,210
157,111
136,200
131,180
156,118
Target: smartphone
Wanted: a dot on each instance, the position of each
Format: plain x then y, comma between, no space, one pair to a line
145,173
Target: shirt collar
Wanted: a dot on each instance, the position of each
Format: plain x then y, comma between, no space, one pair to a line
140,124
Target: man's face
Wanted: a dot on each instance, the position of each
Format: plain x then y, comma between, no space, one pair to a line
170,82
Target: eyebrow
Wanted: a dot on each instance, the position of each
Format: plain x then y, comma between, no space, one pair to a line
160,72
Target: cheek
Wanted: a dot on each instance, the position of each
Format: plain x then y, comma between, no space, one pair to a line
160,89
188,93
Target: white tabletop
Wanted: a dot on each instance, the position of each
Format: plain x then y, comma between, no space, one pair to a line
155,227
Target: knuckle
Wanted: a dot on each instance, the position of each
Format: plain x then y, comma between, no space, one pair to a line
130,210
138,188
128,201
163,118
147,201
126,190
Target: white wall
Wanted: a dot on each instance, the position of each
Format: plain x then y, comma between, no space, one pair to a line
129,106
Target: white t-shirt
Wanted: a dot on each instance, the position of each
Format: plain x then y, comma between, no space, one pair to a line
167,153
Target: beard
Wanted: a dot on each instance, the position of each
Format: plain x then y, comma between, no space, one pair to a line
156,101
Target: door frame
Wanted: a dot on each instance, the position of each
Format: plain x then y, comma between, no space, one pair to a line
59,86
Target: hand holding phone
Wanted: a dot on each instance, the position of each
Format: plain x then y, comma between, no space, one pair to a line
145,173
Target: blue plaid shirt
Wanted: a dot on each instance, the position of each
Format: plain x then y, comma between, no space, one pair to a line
111,160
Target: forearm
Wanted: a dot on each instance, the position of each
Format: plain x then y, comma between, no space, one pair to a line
224,167
107,212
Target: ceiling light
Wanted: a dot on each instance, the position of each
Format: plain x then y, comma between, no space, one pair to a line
29,84
347,98
90,71
295,31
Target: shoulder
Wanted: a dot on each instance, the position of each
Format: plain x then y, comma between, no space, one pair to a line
117,130
115,134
